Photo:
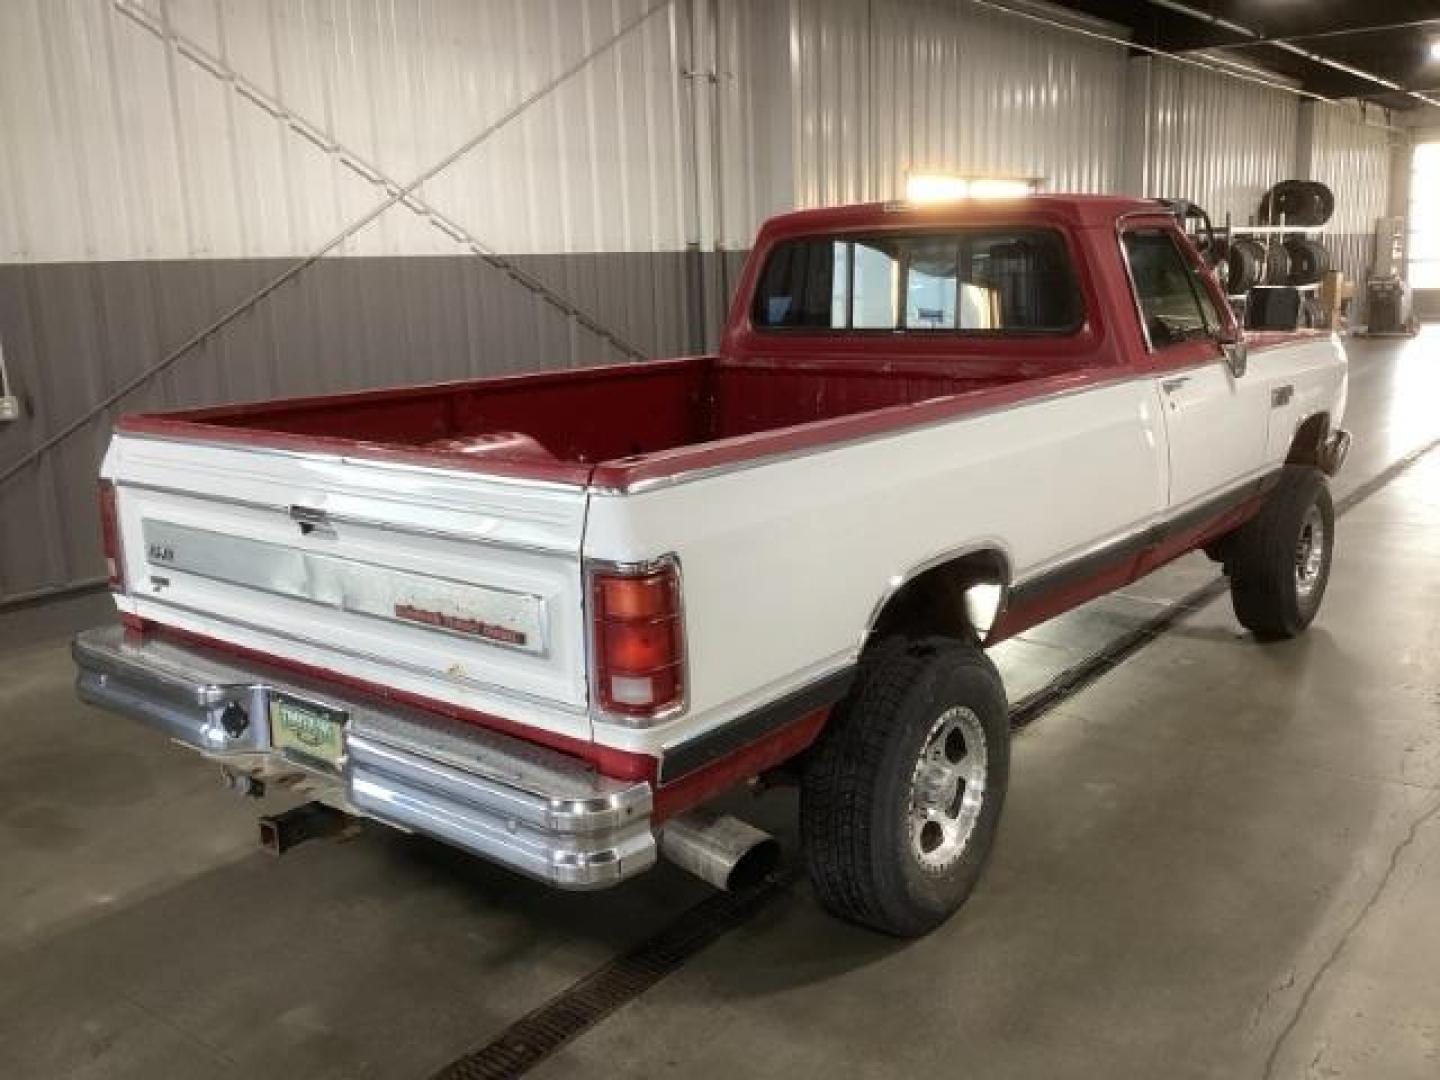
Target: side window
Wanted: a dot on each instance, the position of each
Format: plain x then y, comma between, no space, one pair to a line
1168,290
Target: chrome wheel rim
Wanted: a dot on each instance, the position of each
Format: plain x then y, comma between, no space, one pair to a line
947,789
1309,553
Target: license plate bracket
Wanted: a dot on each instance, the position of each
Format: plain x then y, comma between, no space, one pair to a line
307,731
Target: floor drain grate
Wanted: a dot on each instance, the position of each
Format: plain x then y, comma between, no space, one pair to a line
531,1039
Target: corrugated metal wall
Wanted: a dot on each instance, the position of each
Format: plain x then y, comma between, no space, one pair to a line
1353,156
1213,139
268,125
882,88
162,160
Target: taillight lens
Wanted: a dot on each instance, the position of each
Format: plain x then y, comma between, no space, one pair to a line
110,537
639,639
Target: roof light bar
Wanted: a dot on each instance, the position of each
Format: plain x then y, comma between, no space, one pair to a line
941,187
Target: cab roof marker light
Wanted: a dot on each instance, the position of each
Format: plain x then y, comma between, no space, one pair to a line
923,188
926,188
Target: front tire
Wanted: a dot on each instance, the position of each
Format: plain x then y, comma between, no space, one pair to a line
901,797
1279,561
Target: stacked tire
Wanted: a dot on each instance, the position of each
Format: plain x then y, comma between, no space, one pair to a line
1308,260
1245,263
1298,260
1302,203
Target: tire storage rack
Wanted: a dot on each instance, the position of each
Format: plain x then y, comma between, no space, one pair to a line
1282,248
1279,254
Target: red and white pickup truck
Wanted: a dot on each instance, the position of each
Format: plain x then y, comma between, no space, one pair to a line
544,618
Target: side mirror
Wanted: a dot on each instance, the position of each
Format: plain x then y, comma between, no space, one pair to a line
1232,341
1237,354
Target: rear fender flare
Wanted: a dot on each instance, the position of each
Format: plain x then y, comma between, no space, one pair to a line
934,595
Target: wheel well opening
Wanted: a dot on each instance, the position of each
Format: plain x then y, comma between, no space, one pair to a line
944,600
1309,440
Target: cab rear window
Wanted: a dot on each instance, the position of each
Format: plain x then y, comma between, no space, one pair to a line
975,281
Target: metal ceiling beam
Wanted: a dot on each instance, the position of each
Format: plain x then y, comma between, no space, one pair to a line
1255,38
1213,64
1352,31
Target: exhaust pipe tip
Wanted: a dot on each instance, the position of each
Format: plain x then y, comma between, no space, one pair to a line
728,853
755,865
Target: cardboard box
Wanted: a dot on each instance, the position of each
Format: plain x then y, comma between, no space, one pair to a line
1333,293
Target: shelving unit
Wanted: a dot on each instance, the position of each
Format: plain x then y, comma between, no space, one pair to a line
1265,236
1272,230
1313,287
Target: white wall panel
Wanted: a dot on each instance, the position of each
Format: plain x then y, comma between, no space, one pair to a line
883,88
1353,157
1214,139
119,145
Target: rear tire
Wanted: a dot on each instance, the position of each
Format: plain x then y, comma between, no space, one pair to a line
901,796
1279,561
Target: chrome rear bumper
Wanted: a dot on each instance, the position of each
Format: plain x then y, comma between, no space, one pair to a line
531,809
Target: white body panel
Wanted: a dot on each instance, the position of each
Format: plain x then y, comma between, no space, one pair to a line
1216,425
454,543
784,561
1318,378
1221,428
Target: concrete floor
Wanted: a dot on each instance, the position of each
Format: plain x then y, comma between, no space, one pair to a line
1221,860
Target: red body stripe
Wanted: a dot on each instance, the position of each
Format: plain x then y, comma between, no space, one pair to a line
750,760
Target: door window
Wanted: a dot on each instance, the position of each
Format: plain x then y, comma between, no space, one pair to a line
1173,300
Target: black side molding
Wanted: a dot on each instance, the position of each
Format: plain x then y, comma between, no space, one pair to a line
684,758
1130,547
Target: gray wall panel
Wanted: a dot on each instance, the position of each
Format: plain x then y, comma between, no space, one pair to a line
76,331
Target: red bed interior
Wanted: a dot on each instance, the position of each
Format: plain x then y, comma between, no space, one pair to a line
607,414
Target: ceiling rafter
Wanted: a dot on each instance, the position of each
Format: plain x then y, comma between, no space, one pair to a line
1383,58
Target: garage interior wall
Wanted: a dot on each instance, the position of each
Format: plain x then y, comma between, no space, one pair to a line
1210,138
1353,154
594,170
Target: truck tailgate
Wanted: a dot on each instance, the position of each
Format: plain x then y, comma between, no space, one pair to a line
449,585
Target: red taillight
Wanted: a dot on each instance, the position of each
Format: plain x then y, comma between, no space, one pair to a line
639,639
110,537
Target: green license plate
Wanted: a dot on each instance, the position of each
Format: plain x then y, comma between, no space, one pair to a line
311,732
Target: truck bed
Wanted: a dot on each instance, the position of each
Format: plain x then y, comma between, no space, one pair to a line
610,424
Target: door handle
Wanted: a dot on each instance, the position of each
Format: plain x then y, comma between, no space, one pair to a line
1171,385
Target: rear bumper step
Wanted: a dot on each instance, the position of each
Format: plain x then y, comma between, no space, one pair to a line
529,808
